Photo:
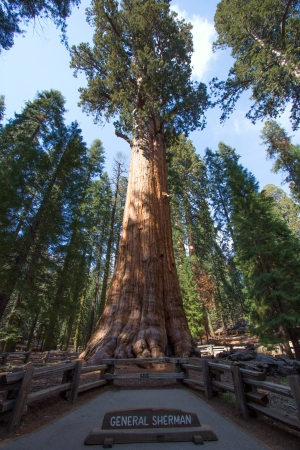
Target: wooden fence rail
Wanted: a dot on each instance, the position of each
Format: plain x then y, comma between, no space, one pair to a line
249,387
16,387
244,385
37,358
213,350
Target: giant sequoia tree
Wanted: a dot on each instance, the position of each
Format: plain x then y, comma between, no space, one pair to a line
139,72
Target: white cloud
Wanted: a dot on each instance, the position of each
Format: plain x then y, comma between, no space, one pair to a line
203,37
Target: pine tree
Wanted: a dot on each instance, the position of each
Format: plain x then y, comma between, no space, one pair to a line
267,253
118,174
285,207
224,249
284,153
190,222
29,145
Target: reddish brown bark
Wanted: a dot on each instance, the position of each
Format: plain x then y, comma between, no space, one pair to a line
144,312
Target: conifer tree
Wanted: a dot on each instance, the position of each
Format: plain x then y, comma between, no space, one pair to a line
139,71
285,207
221,203
190,223
118,174
267,253
285,155
44,165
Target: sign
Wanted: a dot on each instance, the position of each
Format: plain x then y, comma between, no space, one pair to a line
149,425
149,418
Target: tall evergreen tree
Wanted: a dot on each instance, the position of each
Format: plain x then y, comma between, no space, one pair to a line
285,155
43,162
267,253
285,207
221,203
139,69
191,224
118,175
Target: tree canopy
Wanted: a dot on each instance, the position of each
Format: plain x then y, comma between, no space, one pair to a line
16,13
286,156
264,38
139,66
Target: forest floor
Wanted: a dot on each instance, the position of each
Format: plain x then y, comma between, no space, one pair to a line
43,412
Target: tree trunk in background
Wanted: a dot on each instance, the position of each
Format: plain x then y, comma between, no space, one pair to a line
78,323
108,255
14,319
34,322
144,311
68,333
295,342
29,238
118,172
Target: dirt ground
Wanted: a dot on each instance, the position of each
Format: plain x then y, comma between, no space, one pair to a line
43,412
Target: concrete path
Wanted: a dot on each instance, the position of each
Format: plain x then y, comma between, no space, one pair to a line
69,432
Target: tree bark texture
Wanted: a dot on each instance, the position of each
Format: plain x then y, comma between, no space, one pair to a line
144,314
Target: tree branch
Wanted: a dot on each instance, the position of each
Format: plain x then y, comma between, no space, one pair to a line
282,60
117,32
123,136
284,19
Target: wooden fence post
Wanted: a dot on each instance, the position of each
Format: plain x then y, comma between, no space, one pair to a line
206,379
46,357
294,383
67,378
5,358
186,373
239,392
27,357
111,370
15,418
178,370
12,393
75,382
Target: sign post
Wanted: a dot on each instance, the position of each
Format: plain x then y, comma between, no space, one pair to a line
149,425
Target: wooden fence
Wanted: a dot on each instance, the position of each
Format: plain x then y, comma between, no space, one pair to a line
213,350
37,358
42,358
249,387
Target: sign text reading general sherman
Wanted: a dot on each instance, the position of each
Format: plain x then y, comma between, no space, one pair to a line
149,418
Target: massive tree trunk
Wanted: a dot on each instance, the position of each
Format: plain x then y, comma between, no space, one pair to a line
144,313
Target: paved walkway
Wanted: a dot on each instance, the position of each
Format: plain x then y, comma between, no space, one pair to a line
69,432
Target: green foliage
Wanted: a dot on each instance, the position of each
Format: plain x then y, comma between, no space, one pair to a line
54,213
191,299
264,39
285,207
139,67
230,297
15,13
267,253
2,107
190,224
284,153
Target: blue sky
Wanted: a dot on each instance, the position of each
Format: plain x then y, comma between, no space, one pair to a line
38,61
